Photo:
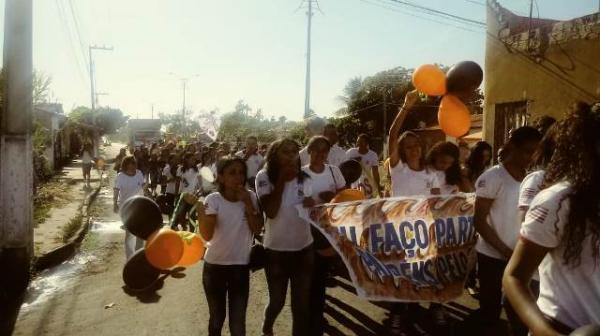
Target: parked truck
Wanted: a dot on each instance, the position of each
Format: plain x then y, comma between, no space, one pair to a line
144,132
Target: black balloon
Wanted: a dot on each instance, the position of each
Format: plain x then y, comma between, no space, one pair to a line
141,216
351,170
138,273
464,76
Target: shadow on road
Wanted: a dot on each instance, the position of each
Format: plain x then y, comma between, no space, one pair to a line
150,295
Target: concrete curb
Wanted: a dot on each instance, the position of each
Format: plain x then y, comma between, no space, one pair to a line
58,255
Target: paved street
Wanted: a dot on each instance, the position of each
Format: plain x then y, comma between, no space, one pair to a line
85,296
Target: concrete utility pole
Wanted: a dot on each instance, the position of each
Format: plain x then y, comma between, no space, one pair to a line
308,43
16,161
92,79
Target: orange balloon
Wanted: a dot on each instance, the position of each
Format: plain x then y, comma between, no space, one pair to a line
193,248
164,248
454,116
429,79
348,195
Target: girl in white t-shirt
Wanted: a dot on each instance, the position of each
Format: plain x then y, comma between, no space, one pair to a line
410,176
443,159
129,182
228,219
561,234
324,182
287,240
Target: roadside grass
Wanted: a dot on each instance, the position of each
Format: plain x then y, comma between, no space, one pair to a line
69,230
48,195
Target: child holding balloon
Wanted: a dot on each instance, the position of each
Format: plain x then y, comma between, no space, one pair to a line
227,219
129,182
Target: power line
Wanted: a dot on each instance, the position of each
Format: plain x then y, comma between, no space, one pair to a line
383,4
77,30
476,2
432,11
67,31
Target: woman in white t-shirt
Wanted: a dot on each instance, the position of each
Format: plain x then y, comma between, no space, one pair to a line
410,176
87,160
287,239
561,234
227,220
324,182
129,182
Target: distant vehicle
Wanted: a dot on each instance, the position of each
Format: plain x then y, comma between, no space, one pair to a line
144,132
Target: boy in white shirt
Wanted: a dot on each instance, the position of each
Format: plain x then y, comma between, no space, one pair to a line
254,161
366,157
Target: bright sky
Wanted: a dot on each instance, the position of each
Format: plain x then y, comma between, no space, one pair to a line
246,49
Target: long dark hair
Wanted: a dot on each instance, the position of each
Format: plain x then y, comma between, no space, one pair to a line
576,159
475,160
224,163
450,149
545,150
272,160
184,164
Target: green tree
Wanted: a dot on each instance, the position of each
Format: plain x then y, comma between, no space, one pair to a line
109,120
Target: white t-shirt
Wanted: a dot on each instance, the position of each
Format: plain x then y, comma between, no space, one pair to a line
445,188
253,163
336,155
190,180
287,231
530,187
369,159
170,189
232,239
86,157
129,185
330,179
304,157
408,182
366,182
497,184
569,294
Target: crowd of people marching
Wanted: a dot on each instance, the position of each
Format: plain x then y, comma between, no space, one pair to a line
537,213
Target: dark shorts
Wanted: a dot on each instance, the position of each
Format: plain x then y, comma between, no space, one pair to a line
86,168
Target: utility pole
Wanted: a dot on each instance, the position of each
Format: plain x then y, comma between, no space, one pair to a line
184,82
308,42
16,161
152,107
530,24
92,79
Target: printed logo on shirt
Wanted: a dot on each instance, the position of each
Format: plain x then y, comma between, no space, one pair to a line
481,184
538,214
262,184
429,184
529,192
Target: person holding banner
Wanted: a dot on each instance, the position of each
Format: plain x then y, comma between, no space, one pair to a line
410,176
287,240
324,182
496,220
561,234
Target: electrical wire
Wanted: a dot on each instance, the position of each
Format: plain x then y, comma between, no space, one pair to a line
436,12
396,9
67,31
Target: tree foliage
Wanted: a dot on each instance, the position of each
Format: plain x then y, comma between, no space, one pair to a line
242,122
109,120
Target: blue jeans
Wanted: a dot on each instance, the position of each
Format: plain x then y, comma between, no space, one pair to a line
296,268
224,283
